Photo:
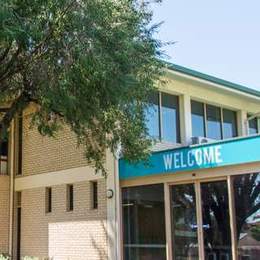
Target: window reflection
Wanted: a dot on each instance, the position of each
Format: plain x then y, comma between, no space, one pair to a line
215,216
213,122
144,223
198,120
152,116
247,209
170,120
229,124
184,222
253,126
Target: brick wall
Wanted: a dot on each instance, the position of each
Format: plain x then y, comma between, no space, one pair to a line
43,154
4,213
80,234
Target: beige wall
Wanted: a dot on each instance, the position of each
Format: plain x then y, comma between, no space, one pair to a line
80,234
45,154
4,213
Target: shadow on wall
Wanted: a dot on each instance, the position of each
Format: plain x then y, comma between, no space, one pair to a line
101,248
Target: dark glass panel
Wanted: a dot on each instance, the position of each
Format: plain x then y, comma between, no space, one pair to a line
253,128
152,116
184,222
229,123
213,122
216,226
247,211
170,118
144,222
197,118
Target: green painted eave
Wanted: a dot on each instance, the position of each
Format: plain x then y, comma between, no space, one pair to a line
212,79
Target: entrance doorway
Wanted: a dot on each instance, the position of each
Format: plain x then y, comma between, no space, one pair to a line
204,219
200,221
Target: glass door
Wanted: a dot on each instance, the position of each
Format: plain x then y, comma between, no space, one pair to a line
184,222
205,203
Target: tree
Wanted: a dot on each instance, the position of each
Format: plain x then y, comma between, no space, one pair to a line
89,64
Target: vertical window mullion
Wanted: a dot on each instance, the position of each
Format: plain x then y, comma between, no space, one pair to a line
199,220
168,223
221,122
160,117
205,120
232,218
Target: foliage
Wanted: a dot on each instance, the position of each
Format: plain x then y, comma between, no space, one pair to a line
4,257
30,258
89,64
256,233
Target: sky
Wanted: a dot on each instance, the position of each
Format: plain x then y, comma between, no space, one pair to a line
216,37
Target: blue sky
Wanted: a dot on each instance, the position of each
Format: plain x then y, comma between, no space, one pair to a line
217,37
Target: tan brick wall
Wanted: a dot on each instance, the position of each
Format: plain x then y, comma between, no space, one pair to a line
76,235
43,154
4,213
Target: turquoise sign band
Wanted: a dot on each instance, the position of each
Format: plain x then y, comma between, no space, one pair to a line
222,153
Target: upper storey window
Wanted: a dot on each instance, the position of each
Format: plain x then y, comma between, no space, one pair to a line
213,122
253,126
162,117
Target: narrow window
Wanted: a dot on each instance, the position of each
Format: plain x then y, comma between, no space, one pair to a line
20,144
170,118
70,197
198,119
48,198
229,123
152,116
252,126
214,122
94,194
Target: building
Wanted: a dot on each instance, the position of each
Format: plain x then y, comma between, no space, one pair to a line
197,199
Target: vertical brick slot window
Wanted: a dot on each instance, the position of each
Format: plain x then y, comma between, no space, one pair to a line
20,144
94,189
70,197
48,199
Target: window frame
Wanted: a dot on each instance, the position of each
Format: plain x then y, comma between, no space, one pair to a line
248,125
160,118
205,104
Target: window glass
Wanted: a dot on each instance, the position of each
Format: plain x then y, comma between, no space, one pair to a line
144,222
197,117
247,212
94,194
152,116
253,128
215,217
170,118
184,222
229,124
213,122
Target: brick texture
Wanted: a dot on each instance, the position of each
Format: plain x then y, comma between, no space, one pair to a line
79,234
43,154
4,213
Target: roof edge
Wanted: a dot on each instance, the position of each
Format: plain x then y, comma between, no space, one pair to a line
212,79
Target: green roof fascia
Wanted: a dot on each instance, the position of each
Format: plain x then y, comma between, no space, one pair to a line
212,79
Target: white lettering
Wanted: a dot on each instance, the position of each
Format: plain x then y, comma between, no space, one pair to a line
198,156
183,164
209,155
190,159
218,154
177,160
167,161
